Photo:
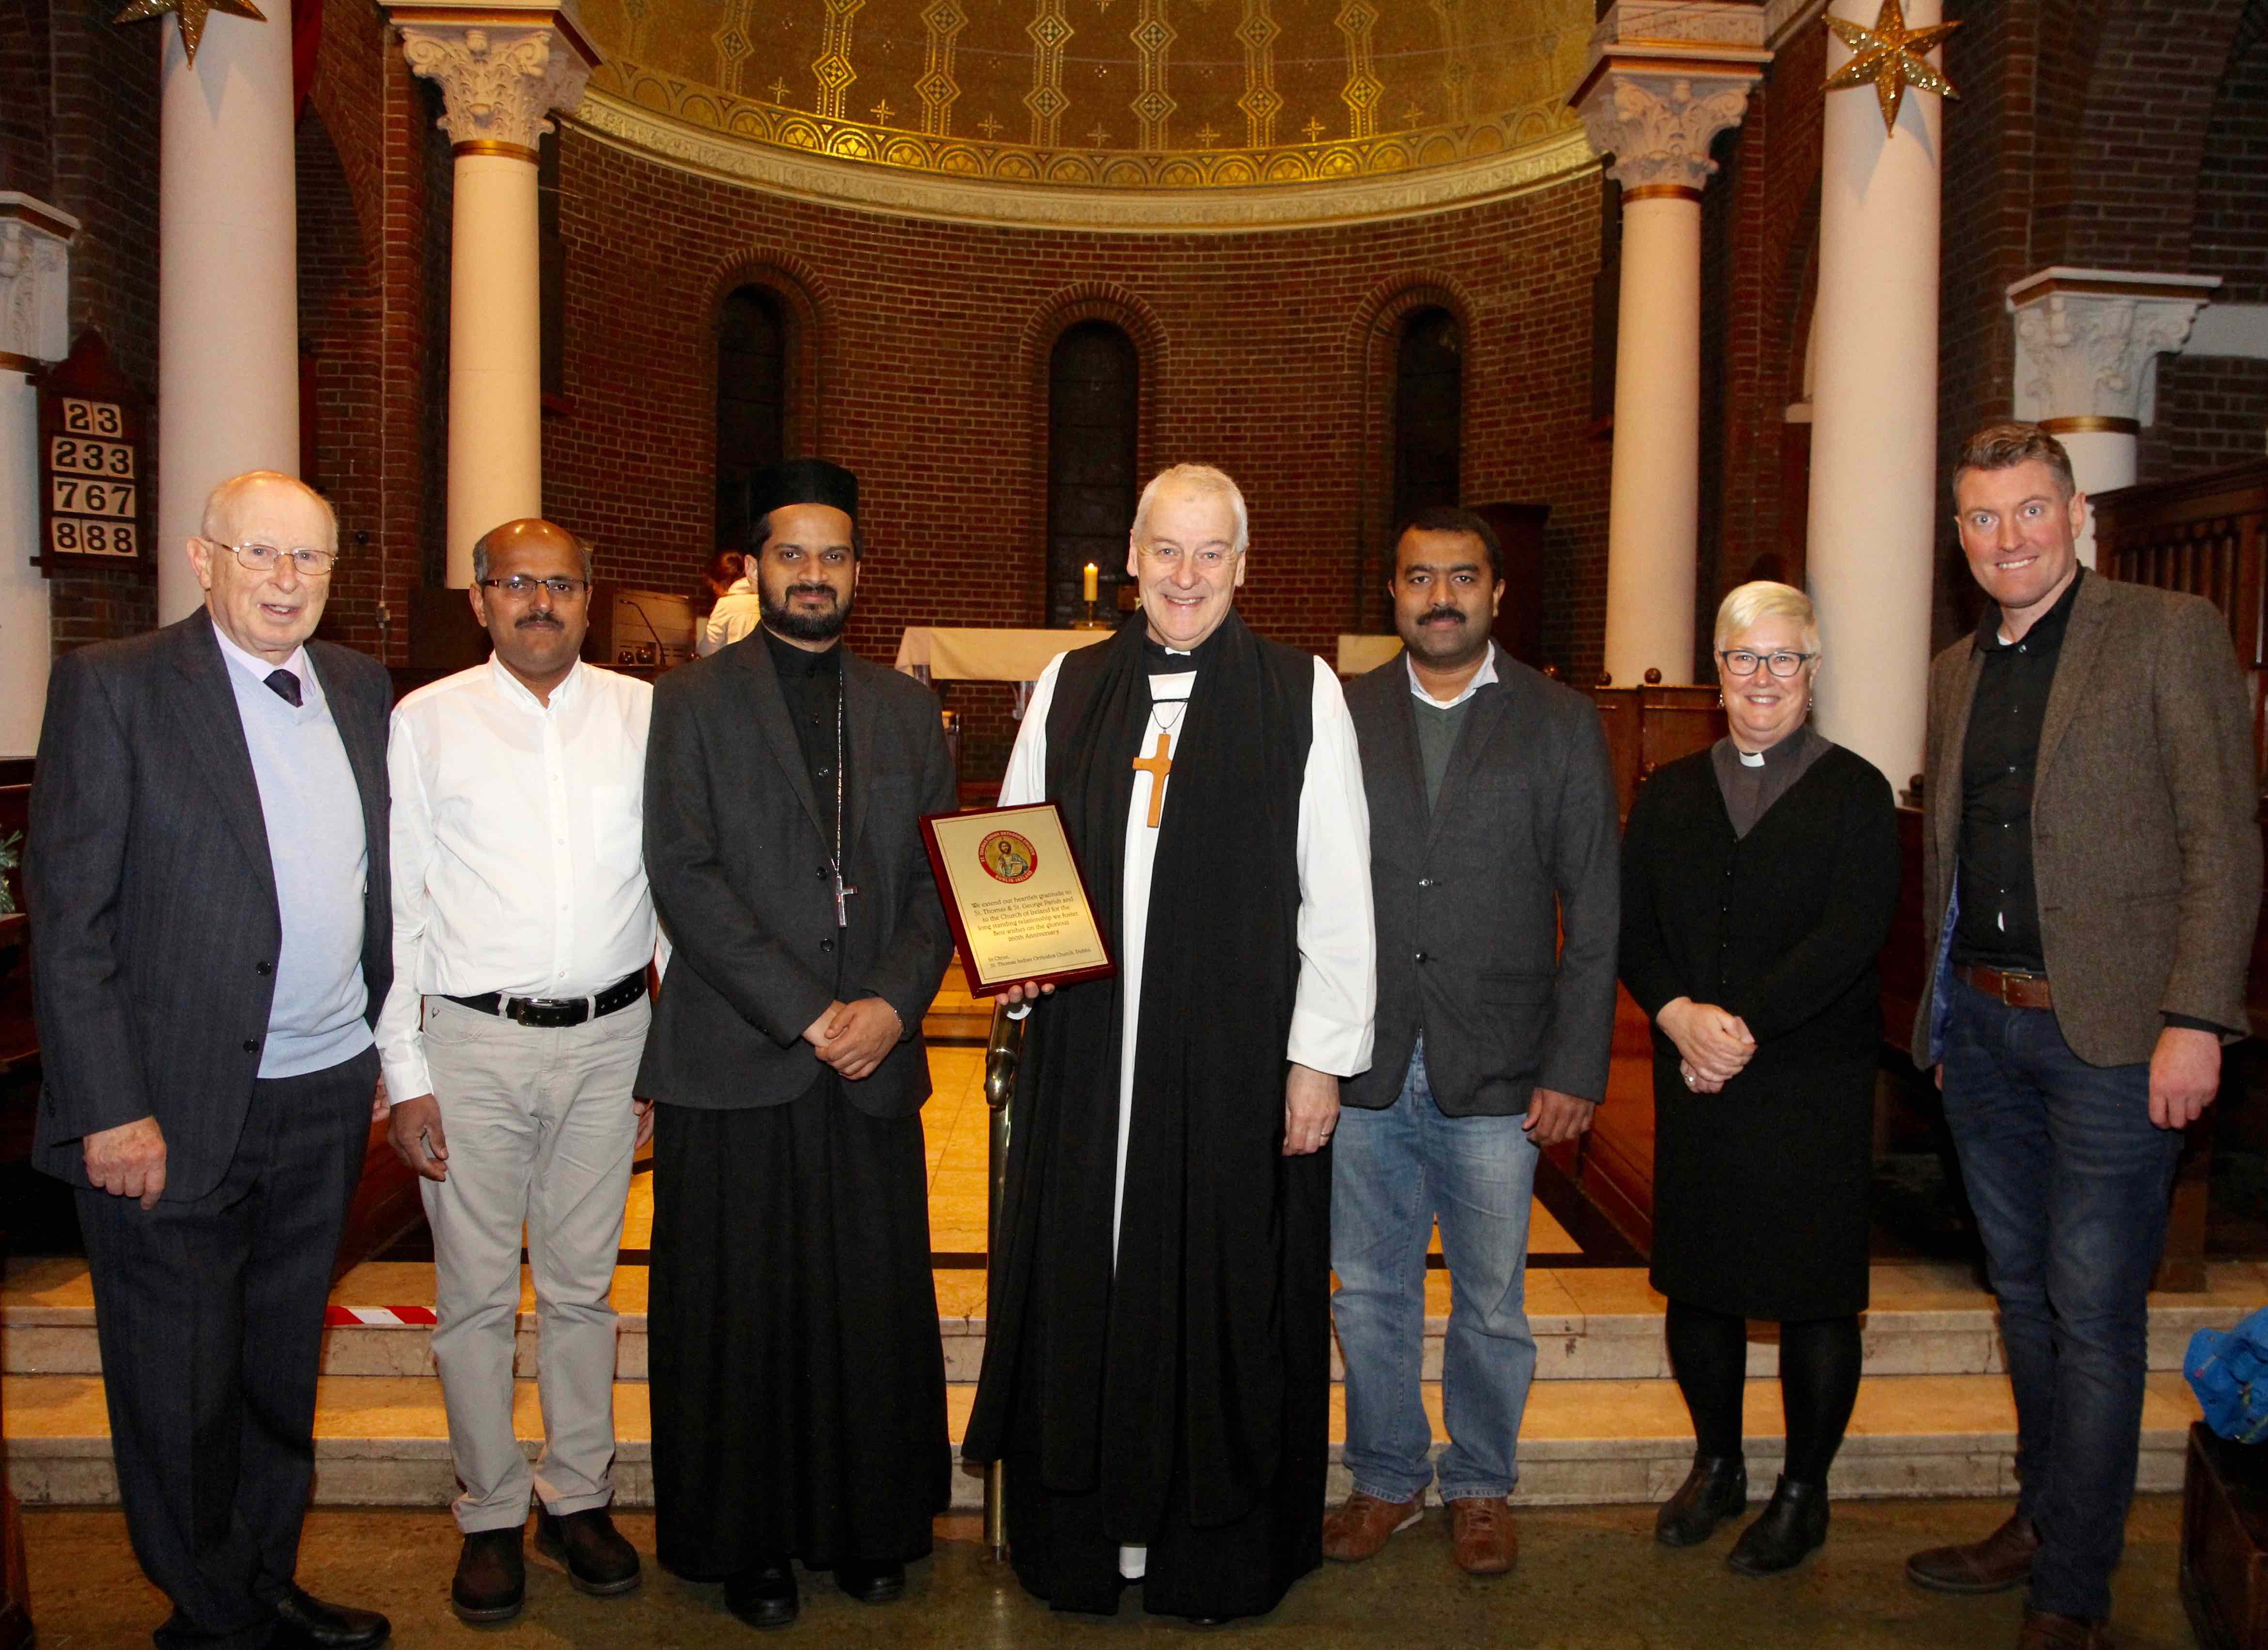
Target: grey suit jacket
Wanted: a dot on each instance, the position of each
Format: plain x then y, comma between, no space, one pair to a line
2145,841
1523,845
153,895
738,866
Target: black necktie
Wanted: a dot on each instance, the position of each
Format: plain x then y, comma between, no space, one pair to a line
286,687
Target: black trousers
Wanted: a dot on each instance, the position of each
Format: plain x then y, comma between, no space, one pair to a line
210,1315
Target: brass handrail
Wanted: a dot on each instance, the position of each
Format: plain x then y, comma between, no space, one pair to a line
1003,1049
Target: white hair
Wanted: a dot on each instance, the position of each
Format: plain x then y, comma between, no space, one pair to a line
221,503
1201,479
1766,598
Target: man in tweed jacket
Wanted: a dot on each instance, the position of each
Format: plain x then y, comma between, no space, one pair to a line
2092,874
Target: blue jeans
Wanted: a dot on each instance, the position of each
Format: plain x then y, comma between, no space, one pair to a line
1392,1172
2070,1181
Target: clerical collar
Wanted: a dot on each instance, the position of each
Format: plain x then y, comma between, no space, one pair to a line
789,660
1161,660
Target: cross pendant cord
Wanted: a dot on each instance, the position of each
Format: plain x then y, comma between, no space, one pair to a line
843,890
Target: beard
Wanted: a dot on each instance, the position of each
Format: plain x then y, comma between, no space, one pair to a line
783,617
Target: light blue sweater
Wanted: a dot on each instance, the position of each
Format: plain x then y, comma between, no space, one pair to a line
321,862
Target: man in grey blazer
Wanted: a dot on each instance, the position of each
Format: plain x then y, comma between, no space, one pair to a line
2092,874
207,884
799,1384
1492,834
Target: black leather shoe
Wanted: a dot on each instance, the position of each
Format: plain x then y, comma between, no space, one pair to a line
1717,1489
871,1582
492,1579
306,1620
1792,1526
764,1597
599,1561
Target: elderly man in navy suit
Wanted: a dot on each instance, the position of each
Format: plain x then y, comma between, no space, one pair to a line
208,893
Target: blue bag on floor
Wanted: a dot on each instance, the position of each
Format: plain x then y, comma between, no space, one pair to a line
2227,1369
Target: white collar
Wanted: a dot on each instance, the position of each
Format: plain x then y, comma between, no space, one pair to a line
516,690
1482,678
259,669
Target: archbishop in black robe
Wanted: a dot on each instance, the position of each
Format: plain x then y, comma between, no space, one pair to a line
1162,1405
797,1378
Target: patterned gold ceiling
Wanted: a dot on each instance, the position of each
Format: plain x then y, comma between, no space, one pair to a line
1122,94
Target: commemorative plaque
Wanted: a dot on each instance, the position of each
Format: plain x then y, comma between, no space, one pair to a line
1013,894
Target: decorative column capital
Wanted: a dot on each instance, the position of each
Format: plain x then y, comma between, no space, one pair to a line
1665,78
502,70
35,281
2087,343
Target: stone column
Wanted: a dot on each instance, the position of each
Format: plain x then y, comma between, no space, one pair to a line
228,278
1665,79
502,70
34,329
2087,343
1874,499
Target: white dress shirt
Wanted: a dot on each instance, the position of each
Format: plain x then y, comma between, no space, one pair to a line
1482,678
519,855
739,611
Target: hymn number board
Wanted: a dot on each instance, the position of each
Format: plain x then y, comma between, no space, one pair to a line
92,464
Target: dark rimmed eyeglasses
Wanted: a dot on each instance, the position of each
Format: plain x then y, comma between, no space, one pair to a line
1742,662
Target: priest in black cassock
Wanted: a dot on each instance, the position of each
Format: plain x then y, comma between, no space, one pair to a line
1156,1367
798,1378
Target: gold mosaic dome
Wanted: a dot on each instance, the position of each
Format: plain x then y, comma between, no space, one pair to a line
1085,110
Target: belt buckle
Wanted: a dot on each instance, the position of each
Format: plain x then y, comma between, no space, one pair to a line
2012,985
515,1009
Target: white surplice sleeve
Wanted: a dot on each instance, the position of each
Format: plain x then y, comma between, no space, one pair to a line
1334,1012
1026,778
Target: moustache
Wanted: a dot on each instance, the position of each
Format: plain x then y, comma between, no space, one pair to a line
545,621
1444,613
828,591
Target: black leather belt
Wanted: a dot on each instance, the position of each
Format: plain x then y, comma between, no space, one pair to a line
549,1012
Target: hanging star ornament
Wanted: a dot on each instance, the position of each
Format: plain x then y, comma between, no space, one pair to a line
1891,56
192,13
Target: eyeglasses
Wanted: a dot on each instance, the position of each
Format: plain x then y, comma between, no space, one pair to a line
520,586
1742,662
262,558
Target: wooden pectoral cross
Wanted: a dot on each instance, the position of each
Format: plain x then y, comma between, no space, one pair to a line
1157,766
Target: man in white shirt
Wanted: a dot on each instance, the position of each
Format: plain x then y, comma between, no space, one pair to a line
737,612
1157,1374
510,1041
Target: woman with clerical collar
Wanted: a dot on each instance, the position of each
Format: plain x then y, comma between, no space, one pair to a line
1758,881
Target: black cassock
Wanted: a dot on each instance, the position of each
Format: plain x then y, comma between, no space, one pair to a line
1177,1397
797,1376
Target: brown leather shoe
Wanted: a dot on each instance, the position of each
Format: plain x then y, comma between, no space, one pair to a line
1358,1529
2043,1632
1994,1564
1482,1538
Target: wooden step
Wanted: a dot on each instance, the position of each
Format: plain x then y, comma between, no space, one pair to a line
1595,1323
383,1441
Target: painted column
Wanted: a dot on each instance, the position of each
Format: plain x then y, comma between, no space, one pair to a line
502,70
2087,343
228,278
34,329
1665,79
1874,499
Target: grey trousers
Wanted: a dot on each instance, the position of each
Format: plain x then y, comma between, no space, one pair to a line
541,1133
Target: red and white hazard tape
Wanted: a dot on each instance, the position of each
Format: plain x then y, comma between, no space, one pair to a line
378,1317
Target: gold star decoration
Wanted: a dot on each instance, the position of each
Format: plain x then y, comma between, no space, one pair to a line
192,14
1891,56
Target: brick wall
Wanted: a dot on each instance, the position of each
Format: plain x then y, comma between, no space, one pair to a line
1257,354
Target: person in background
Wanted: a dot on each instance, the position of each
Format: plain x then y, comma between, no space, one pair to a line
1759,878
738,610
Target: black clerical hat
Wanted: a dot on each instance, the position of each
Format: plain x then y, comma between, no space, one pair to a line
804,481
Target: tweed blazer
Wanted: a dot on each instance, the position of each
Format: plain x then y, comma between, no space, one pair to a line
2145,844
1473,895
152,894
737,867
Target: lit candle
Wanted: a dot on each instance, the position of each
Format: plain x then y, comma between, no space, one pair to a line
1087,584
